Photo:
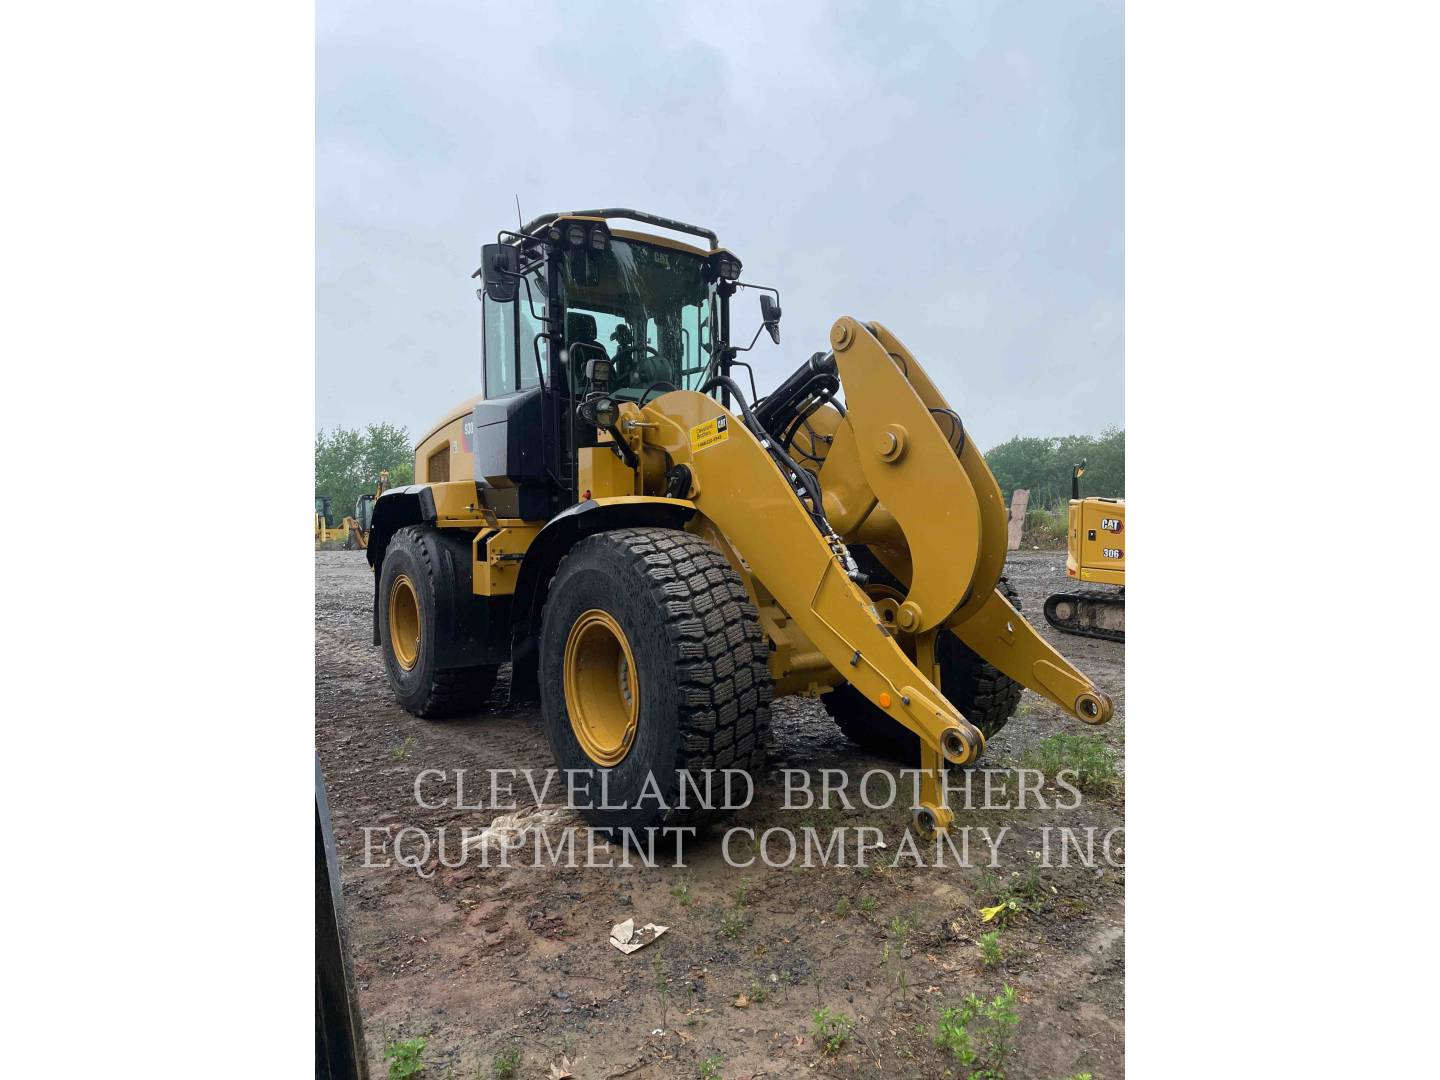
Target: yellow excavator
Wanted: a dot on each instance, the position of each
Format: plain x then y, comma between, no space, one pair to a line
1095,552
658,551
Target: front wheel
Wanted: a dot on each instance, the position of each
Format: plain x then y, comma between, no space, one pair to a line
654,678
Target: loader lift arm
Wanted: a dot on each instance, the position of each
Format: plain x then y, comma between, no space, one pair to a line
889,450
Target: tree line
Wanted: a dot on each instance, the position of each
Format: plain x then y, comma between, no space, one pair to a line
348,462
1043,466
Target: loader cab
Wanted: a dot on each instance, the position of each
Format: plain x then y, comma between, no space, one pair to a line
573,308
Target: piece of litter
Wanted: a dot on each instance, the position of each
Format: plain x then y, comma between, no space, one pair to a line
988,913
625,937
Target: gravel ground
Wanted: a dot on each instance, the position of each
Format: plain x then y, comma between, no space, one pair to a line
478,959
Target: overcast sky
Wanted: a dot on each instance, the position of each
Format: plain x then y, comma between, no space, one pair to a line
952,170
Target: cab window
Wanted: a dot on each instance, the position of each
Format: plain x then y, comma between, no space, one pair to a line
499,348
530,349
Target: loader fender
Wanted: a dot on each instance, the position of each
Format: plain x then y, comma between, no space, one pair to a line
543,556
393,510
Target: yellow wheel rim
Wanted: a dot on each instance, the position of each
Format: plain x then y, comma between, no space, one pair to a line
602,693
404,609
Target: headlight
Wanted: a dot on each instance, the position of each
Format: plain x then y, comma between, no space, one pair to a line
576,234
605,413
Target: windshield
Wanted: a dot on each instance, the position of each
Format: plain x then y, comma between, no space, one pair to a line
645,308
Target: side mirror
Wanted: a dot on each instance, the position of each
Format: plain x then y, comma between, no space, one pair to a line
770,316
500,267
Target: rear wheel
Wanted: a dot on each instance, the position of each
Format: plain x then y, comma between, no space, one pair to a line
652,665
985,696
415,586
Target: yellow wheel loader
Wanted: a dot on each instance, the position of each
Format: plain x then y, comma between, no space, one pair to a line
1095,552
658,551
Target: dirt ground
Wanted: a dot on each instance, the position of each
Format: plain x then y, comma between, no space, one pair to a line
478,960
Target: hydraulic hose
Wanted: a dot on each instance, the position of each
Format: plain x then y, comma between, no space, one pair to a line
804,477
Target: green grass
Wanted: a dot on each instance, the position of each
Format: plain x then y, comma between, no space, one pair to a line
842,907
831,1030
733,923
978,1034
990,951
710,1067
506,1064
1046,528
406,1057
1091,762
868,905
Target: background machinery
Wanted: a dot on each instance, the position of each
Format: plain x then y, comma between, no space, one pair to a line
657,551
357,526
1095,552
325,527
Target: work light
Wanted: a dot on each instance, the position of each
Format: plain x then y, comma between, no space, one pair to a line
605,413
576,234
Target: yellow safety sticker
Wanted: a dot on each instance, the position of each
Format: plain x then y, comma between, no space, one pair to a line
710,433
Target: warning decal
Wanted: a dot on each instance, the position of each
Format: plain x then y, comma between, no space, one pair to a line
711,433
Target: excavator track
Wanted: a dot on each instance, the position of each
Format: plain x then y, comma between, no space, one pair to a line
1093,613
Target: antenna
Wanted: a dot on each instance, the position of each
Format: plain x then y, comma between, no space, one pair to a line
519,218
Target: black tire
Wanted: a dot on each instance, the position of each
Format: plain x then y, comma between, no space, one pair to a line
427,559
702,669
985,696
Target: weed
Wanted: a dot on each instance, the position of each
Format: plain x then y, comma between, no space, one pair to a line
893,955
407,1058
978,1033
1090,763
868,905
710,1067
404,748
506,1064
681,891
990,951
662,985
758,992
832,1030
741,892
733,923
842,907
1011,896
